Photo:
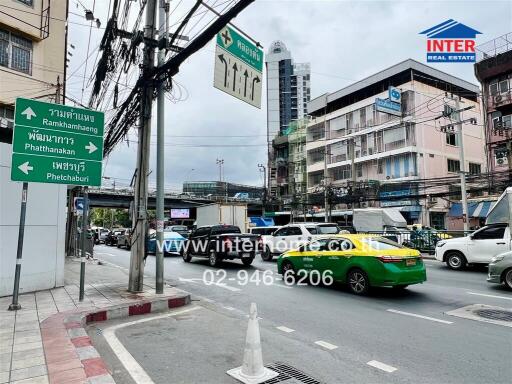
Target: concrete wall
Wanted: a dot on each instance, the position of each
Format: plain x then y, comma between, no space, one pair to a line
43,252
43,249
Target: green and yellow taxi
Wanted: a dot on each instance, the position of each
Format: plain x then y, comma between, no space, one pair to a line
361,261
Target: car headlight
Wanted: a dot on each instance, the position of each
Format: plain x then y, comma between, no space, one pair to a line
495,259
441,243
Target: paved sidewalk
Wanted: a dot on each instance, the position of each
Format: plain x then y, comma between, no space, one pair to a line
44,342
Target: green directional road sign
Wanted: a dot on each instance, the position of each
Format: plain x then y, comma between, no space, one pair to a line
238,66
54,143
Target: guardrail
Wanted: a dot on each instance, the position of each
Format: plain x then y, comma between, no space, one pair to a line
422,240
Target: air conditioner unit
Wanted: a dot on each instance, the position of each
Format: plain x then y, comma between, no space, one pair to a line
501,162
365,153
498,99
370,151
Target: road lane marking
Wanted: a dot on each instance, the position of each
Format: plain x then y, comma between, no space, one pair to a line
228,287
381,366
106,253
493,296
420,316
137,373
285,329
326,345
230,308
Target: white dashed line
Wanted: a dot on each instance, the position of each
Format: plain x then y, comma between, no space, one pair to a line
493,296
230,308
326,345
381,366
229,288
419,316
285,329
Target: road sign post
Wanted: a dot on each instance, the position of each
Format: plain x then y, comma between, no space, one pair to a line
54,143
238,66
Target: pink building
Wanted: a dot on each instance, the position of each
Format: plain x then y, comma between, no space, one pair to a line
407,157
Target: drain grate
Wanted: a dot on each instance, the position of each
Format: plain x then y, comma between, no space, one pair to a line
494,314
287,372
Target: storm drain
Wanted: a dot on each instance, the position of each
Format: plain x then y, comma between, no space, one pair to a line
484,313
495,314
289,374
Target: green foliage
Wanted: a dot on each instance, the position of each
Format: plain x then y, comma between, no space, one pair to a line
103,217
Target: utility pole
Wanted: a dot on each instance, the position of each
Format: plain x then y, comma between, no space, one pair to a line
462,165
326,192
163,22
139,225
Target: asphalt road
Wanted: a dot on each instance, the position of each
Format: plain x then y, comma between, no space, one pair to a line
335,334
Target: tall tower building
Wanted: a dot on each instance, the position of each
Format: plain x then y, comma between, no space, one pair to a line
288,92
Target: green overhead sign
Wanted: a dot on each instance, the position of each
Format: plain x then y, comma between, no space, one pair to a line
238,67
54,143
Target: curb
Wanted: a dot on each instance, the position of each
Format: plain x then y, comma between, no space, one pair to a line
70,356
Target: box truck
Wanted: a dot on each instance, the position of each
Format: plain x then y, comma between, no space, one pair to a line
223,213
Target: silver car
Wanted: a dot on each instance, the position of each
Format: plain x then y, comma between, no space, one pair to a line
500,269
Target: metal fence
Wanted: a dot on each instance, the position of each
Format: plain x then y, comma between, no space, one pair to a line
422,240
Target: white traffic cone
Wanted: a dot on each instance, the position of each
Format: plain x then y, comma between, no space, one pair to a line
252,371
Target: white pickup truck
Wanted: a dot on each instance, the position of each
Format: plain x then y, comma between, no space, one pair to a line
478,248
291,236
482,245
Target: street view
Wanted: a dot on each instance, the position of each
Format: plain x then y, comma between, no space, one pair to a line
255,191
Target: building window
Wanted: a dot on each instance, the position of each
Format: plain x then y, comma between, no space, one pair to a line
453,165
15,52
493,88
452,139
380,167
475,169
359,170
27,2
504,86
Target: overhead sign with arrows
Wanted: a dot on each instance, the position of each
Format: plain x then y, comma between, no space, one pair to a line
238,66
55,143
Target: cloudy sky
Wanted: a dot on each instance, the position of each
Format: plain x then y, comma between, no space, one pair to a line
344,41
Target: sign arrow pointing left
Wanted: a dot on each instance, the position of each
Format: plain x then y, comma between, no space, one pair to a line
25,168
91,147
29,113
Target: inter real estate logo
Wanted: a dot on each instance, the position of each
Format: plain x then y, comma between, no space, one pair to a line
451,42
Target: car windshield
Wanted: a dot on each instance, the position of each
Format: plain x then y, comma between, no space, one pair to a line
323,229
380,243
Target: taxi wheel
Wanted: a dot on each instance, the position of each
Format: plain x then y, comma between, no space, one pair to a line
358,281
456,261
507,279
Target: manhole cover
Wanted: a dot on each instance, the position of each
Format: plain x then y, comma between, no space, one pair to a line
287,372
495,314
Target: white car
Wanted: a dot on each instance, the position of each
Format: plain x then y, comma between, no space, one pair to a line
292,236
478,248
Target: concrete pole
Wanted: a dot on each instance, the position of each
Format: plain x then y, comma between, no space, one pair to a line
139,226
462,166
163,22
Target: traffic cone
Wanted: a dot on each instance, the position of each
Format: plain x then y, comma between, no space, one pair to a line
252,371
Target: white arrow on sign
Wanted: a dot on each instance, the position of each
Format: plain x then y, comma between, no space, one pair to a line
25,168
91,147
29,113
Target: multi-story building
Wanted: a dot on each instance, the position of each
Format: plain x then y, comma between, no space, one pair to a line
32,65
350,140
288,92
494,71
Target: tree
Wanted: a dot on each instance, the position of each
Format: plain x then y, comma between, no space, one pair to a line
107,217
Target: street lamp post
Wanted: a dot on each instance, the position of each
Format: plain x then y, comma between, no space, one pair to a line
263,169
